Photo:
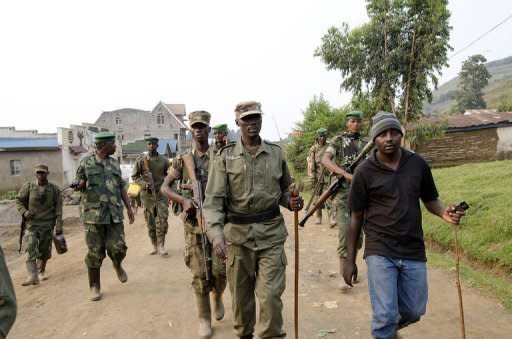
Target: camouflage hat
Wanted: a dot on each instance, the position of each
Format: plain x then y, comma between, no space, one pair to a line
151,138
41,168
246,108
201,117
321,132
220,128
355,115
104,136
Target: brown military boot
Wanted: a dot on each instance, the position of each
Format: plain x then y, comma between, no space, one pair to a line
32,278
343,286
41,266
94,283
153,247
218,305
161,246
204,312
121,273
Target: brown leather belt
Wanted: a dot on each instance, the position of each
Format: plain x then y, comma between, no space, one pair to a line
248,219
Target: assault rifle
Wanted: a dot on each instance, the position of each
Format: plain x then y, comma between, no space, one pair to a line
333,188
197,198
318,186
23,227
150,176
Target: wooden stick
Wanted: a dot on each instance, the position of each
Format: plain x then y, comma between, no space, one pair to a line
457,283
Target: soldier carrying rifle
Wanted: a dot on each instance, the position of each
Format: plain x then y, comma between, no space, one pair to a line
209,273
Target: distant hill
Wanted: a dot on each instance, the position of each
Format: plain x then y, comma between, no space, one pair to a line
498,91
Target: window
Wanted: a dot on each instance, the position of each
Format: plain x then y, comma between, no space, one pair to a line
15,167
175,136
160,119
118,121
70,136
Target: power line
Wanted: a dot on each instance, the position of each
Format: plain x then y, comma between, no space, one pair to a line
480,37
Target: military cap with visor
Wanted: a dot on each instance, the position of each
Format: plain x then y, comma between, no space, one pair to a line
151,138
355,115
220,128
321,132
104,136
201,117
247,108
41,168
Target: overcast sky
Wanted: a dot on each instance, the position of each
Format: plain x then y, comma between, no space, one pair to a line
64,62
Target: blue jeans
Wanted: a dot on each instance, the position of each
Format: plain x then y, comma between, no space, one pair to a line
398,293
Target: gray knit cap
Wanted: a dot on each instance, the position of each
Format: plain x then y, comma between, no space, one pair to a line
383,121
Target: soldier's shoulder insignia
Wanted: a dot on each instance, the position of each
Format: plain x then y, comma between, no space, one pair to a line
223,148
271,143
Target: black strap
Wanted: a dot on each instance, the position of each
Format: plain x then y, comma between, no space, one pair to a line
248,219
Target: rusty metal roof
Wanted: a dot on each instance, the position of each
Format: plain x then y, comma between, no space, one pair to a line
474,119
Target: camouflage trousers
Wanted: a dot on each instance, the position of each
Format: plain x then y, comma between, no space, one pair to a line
343,222
38,242
101,238
194,259
8,305
156,213
260,272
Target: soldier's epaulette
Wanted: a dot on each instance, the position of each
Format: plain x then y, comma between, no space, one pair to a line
271,143
225,147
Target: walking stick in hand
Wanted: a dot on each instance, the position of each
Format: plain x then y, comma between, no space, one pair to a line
462,206
295,193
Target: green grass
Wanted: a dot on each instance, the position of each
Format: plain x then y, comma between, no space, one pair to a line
10,195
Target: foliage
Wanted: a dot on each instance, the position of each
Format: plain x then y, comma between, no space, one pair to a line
318,114
503,107
9,195
485,234
394,57
425,130
473,76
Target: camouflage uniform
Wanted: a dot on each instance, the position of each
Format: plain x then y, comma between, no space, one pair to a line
241,185
8,306
101,209
45,203
194,256
317,175
344,149
155,212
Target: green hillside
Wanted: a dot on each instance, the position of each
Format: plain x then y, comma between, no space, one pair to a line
499,90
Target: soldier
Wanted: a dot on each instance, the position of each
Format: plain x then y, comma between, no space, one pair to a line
220,133
102,186
149,172
339,155
195,257
248,182
316,172
8,306
40,203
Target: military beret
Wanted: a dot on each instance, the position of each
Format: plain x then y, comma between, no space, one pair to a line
246,108
41,168
355,115
220,128
151,138
321,132
104,136
202,117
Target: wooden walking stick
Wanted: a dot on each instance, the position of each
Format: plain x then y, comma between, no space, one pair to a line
295,193
461,207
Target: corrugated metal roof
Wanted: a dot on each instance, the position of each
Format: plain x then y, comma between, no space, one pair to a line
471,119
28,143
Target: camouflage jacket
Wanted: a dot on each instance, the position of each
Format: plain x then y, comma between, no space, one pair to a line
345,149
314,160
101,201
158,167
45,202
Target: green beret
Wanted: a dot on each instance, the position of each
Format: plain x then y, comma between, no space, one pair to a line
321,132
220,128
104,136
151,138
355,115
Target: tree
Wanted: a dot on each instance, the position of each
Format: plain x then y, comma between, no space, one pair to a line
473,77
395,57
318,114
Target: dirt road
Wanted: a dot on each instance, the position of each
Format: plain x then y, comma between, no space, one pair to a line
157,301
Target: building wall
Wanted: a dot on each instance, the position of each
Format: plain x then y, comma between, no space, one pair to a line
28,160
457,148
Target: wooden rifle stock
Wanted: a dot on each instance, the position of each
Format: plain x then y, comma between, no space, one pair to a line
197,197
333,188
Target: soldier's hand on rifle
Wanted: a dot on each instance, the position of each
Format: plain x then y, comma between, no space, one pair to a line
80,186
219,247
189,206
295,203
28,215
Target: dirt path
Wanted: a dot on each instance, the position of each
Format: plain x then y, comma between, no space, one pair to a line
157,301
